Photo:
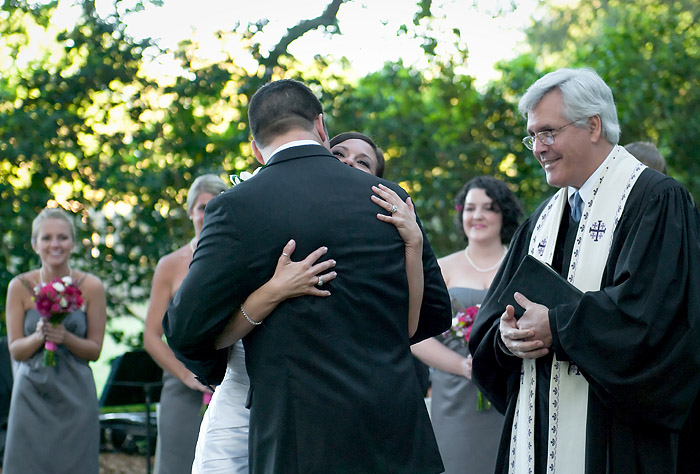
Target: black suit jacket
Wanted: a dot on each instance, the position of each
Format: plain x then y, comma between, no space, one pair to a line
333,388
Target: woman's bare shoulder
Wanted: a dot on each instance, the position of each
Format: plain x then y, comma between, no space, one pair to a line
24,282
451,260
176,260
451,266
87,281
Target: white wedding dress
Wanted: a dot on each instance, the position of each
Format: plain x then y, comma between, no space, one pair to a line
222,446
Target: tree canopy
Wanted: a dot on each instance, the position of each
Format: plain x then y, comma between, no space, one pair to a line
86,125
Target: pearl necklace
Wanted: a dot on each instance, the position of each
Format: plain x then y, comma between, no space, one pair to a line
41,275
484,270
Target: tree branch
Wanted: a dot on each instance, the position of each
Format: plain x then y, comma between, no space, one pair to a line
326,19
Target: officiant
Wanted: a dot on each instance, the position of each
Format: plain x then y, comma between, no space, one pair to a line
608,383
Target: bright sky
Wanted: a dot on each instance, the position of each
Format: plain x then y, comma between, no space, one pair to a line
368,28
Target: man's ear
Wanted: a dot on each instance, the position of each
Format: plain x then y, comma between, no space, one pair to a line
595,126
320,126
256,152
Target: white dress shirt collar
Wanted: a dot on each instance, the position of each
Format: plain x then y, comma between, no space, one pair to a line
290,145
586,190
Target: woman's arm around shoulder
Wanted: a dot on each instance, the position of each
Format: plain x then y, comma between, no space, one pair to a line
291,279
403,216
431,351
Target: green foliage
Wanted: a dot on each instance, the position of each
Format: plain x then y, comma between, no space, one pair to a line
438,132
82,127
56,136
85,126
649,54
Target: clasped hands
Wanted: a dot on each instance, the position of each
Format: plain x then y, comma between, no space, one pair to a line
529,337
51,333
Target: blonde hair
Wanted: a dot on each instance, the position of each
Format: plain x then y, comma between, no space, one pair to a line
51,213
207,183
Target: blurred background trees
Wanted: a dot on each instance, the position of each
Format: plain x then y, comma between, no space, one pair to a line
87,121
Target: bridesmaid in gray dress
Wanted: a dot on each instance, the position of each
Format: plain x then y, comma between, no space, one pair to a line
468,430
180,410
53,423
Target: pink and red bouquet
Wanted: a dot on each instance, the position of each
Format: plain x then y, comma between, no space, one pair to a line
54,301
461,329
462,325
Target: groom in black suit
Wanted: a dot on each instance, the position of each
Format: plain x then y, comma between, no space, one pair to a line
333,388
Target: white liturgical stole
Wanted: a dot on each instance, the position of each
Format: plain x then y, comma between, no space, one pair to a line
568,393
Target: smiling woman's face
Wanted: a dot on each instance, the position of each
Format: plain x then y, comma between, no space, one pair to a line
358,154
481,218
54,242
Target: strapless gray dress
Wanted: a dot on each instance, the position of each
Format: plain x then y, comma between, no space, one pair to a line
53,425
179,416
468,439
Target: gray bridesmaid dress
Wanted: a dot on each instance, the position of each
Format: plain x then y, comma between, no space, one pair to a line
468,439
53,425
179,417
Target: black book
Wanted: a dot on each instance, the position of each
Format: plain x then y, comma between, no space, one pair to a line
540,284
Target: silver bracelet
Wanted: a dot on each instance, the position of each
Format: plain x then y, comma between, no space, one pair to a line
245,315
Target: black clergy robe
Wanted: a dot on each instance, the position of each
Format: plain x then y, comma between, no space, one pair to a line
636,340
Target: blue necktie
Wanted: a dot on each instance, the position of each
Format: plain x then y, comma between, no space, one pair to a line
577,208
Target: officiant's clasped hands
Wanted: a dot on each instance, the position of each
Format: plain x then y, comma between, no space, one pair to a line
530,336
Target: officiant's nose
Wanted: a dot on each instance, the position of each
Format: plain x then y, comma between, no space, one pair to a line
539,147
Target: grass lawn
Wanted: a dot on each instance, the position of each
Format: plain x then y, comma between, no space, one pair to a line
110,349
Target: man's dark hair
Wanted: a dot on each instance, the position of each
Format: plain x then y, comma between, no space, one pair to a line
281,106
341,137
503,198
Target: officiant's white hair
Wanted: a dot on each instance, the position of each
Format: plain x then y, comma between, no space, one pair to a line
584,94
207,183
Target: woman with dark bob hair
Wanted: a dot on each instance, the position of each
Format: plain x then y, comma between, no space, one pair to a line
503,197
466,428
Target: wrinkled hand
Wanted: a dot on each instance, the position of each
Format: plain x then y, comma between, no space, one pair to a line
404,218
51,333
300,278
520,342
535,318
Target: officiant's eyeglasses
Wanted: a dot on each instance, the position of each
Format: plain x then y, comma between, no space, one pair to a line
546,137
